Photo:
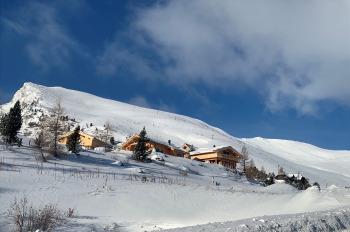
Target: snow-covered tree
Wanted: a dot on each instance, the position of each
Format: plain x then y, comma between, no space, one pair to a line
140,151
11,123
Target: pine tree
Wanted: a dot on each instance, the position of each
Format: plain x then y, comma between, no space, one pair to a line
73,141
11,123
112,141
140,151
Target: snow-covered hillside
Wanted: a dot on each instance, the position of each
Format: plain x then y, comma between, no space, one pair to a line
139,197
325,166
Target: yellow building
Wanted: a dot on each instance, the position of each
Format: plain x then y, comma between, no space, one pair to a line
225,156
130,143
86,140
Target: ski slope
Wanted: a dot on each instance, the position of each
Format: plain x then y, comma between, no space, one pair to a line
324,166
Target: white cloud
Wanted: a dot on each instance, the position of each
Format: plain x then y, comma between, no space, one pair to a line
48,44
295,53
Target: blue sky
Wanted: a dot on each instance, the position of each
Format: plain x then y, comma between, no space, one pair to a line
276,69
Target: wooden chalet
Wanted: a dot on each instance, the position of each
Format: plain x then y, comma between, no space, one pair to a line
87,141
225,156
169,149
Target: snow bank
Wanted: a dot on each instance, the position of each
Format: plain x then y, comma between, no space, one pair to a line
334,220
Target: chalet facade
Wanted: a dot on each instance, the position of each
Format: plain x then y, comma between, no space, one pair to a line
225,156
188,147
130,144
86,140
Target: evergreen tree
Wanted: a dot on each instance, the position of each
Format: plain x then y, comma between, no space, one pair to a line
11,123
112,141
140,151
73,142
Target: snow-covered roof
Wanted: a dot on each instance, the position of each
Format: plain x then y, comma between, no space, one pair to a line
155,141
298,176
211,149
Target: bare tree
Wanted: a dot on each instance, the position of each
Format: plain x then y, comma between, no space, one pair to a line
54,126
26,217
41,143
244,161
281,170
107,132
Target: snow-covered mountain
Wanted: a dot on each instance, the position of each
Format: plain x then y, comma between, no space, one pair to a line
324,166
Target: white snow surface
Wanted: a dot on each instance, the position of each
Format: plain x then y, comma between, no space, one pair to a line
138,196
111,192
324,221
324,166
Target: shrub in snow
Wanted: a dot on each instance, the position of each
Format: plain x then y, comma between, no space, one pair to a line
70,212
27,218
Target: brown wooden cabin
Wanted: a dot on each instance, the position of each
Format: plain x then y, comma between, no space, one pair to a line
225,156
130,143
188,147
86,140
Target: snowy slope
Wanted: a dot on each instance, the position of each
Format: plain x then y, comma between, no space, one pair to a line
331,220
126,119
324,166
105,195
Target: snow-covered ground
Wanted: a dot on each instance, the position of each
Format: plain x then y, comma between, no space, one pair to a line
110,192
327,167
147,196
330,220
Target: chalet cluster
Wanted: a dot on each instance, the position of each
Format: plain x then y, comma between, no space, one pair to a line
226,156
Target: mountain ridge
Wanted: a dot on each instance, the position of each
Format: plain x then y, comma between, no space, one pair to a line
127,119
